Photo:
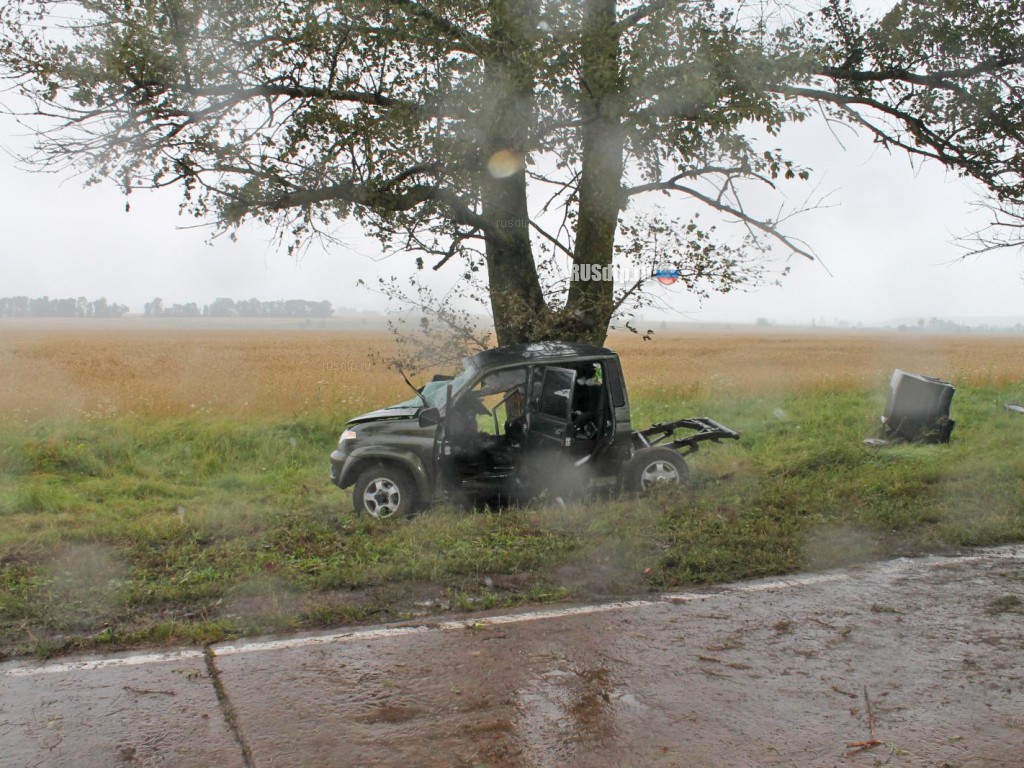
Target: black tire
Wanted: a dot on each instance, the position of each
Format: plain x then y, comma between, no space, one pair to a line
650,467
385,491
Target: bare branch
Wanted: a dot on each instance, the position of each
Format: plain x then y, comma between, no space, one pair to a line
626,294
670,183
551,238
764,226
942,78
238,94
935,146
1004,232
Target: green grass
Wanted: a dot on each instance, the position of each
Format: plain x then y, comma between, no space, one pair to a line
123,531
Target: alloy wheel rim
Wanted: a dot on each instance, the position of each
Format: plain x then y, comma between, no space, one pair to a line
659,472
382,497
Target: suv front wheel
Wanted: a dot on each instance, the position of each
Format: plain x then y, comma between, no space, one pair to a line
384,491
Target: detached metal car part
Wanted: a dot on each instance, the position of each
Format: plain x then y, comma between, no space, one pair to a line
917,409
518,420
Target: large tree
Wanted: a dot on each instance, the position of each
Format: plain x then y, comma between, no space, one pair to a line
513,136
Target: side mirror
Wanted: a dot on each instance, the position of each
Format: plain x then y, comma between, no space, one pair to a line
430,417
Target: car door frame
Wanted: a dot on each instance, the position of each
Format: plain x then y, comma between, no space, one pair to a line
547,430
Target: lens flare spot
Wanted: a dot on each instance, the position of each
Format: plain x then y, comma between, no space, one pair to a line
505,163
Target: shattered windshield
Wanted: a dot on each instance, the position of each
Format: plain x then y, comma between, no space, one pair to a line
434,391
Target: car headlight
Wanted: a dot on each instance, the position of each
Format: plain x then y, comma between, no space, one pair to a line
348,434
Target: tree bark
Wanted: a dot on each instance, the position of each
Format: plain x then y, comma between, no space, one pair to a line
589,306
517,301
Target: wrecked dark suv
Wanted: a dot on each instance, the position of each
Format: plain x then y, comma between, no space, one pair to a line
516,422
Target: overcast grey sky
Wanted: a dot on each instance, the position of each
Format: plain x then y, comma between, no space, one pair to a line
887,243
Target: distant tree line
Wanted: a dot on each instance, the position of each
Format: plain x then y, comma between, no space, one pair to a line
938,325
244,308
23,306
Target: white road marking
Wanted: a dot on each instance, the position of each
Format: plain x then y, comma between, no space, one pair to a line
91,664
23,669
311,640
440,626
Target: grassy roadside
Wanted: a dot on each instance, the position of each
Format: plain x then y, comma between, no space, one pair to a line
120,531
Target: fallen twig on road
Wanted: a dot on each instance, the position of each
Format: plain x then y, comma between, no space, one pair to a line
860,746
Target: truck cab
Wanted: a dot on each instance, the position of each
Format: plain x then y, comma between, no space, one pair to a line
515,422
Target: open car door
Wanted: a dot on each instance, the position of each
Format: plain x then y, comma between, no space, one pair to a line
550,408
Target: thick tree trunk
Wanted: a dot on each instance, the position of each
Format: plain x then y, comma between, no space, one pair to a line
517,302
590,303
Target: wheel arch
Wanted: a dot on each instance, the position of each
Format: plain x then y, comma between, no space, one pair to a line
360,459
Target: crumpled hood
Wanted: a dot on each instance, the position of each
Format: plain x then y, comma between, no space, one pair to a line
385,413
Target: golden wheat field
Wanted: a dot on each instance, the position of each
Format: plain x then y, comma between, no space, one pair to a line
48,370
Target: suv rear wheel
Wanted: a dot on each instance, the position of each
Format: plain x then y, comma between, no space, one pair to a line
384,491
655,466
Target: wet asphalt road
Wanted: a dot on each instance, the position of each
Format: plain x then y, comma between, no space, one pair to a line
913,663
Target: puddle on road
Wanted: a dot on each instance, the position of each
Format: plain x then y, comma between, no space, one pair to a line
562,710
